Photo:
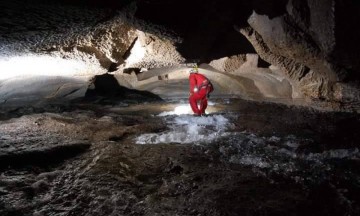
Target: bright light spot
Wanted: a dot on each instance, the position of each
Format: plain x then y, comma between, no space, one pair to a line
137,53
186,110
179,110
183,109
210,103
21,66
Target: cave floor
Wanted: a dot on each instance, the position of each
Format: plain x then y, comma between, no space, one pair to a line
243,158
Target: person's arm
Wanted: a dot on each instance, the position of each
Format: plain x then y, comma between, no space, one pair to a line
192,82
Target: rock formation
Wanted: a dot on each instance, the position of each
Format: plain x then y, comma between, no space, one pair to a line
300,43
310,47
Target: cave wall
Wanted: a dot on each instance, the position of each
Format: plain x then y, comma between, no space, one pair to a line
42,42
312,45
303,42
312,42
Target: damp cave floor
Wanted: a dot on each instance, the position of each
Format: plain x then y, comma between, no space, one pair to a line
82,160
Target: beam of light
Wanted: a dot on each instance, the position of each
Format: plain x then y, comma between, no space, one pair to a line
37,65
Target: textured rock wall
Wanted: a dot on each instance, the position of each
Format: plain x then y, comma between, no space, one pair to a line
67,31
84,33
301,42
312,44
43,39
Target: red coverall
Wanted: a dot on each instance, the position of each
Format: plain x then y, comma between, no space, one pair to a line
204,87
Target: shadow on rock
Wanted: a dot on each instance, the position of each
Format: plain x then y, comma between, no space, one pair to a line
42,157
106,90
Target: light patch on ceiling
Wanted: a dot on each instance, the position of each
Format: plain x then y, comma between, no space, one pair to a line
37,65
137,53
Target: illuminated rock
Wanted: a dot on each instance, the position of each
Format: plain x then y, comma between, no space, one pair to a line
304,40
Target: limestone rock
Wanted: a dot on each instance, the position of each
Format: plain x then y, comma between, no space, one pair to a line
313,44
301,43
150,51
228,64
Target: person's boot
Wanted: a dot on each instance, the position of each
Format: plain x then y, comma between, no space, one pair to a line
197,114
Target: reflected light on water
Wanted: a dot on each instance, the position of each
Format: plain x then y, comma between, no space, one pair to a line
185,109
182,109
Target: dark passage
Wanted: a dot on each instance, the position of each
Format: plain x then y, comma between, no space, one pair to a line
107,90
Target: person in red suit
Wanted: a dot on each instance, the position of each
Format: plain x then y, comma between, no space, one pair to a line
200,88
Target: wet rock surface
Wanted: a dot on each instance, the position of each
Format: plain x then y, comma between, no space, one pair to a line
269,160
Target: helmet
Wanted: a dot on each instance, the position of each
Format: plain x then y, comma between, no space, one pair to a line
194,69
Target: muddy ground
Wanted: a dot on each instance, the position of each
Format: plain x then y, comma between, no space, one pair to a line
81,159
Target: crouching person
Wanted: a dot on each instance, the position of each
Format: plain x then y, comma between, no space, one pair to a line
200,88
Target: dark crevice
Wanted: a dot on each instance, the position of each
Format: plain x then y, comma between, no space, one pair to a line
43,157
130,70
71,92
229,43
128,51
347,34
270,8
304,72
263,64
108,91
113,67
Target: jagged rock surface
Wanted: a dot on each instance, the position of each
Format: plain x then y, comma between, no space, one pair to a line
303,39
300,43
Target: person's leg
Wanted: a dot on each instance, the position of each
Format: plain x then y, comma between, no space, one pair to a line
203,105
193,103
203,100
